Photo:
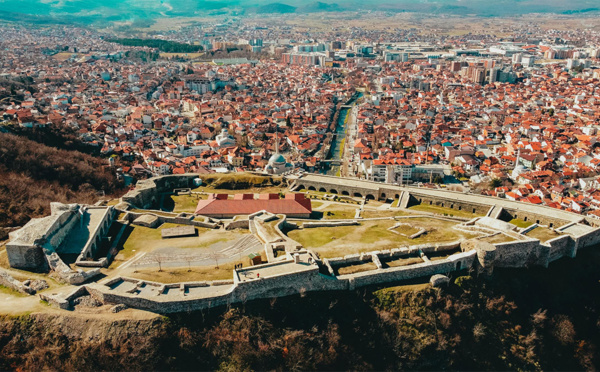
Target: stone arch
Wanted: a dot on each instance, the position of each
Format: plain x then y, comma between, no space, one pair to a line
397,196
333,191
382,195
322,189
357,195
525,218
442,205
370,197
301,187
460,207
431,202
551,225
345,193
473,210
452,206
311,188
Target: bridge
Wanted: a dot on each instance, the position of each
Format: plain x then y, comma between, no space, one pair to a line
332,161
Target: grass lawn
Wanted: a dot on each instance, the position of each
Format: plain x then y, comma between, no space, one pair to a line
373,213
499,238
443,210
144,239
339,213
543,234
520,223
316,204
10,291
353,269
176,275
372,235
182,203
240,183
398,262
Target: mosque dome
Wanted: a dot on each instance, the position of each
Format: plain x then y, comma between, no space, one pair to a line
277,159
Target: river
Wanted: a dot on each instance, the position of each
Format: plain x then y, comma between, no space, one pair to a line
335,152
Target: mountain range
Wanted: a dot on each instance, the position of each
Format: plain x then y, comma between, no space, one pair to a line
115,10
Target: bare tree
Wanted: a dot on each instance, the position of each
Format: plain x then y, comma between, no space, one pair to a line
159,259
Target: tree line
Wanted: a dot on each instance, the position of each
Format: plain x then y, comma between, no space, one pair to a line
166,46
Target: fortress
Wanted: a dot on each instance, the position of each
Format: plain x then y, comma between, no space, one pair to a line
294,269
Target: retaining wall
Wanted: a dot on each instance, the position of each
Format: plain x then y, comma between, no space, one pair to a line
146,192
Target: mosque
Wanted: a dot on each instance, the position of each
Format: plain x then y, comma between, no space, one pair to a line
277,163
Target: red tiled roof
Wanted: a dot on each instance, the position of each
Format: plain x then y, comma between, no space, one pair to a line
217,205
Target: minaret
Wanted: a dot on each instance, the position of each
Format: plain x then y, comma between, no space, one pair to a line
277,141
518,158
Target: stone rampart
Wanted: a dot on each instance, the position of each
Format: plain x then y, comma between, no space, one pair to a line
562,246
146,192
197,221
523,253
449,199
89,251
586,240
308,225
25,249
455,262
238,224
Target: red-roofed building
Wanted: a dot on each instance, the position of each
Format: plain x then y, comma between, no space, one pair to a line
220,206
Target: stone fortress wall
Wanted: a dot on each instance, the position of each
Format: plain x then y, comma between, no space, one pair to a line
36,245
506,209
147,192
287,276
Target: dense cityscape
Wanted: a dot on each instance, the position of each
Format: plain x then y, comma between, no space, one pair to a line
324,186
514,117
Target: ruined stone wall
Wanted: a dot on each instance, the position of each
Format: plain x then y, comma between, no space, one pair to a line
588,240
90,248
455,262
238,224
192,220
62,227
459,205
27,257
562,246
522,253
146,192
308,225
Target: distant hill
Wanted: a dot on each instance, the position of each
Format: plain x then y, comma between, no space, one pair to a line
87,12
275,8
317,7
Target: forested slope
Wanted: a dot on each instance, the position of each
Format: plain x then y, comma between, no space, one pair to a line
536,319
33,174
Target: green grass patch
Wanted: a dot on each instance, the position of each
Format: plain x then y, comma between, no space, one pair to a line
11,291
183,203
353,269
372,235
339,214
452,212
520,223
238,181
177,275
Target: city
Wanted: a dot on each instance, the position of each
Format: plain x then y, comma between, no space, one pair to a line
260,161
